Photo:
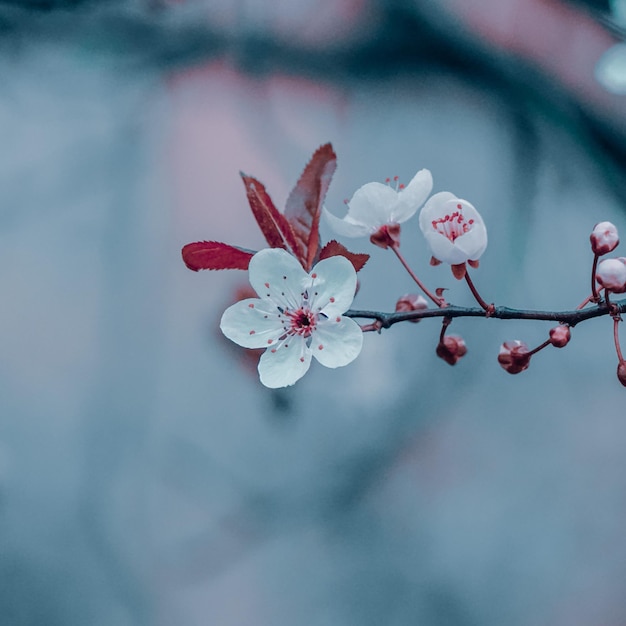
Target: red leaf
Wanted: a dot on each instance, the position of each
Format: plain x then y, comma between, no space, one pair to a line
304,204
213,255
273,224
334,248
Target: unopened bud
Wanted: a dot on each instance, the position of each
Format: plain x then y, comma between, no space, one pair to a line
611,274
388,235
621,373
604,238
514,356
451,349
411,302
560,336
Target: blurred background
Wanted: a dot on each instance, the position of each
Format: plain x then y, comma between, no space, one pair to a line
146,477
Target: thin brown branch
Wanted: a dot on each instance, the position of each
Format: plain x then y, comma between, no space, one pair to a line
571,317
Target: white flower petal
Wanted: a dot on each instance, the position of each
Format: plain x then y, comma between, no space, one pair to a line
473,243
283,366
334,285
372,204
252,323
412,196
346,226
277,275
443,249
434,209
336,343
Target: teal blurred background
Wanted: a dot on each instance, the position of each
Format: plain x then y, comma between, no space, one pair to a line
146,477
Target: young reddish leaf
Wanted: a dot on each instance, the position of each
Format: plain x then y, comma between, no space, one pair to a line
273,224
213,255
334,248
304,204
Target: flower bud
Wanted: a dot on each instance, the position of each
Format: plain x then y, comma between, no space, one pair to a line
411,302
514,356
621,372
611,274
604,238
451,349
560,336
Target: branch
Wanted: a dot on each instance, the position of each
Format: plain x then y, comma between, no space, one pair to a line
386,320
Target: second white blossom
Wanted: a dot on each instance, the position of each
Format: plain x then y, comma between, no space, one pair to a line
453,228
375,205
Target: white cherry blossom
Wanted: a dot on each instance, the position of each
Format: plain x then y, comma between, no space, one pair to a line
375,205
297,316
454,230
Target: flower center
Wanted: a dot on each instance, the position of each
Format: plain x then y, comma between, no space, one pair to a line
301,322
453,225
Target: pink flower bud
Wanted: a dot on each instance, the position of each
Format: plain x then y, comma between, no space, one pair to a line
411,302
514,356
621,373
604,238
560,336
451,349
611,274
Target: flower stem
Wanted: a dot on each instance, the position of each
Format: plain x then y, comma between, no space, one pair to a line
618,349
438,301
444,326
594,289
545,344
486,307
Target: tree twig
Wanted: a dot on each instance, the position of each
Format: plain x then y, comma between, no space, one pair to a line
571,317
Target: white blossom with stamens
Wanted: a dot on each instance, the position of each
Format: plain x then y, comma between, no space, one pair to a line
454,230
297,316
375,205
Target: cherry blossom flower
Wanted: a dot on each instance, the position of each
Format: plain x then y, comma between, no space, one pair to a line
297,316
454,230
604,238
377,209
611,274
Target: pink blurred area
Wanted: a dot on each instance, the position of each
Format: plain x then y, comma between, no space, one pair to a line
560,40
222,123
